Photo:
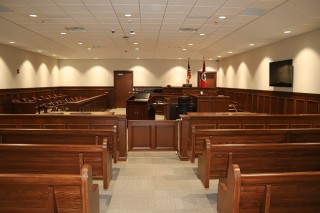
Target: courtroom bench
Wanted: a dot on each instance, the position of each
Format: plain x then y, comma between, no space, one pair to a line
31,193
257,158
293,192
95,120
62,136
56,159
241,120
234,136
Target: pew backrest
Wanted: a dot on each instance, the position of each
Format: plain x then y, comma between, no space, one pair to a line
292,192
247,136
49,192
257,158
56,159
241,121
74,121
62,136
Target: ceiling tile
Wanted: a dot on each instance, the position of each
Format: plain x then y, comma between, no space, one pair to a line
75,8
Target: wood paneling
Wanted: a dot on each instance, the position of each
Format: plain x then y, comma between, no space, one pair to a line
273,102
153,135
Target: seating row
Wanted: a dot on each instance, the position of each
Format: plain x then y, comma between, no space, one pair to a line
29,193
293,192
240,121
239,136
261,170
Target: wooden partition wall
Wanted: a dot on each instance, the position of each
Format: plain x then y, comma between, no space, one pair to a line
7,95
273,102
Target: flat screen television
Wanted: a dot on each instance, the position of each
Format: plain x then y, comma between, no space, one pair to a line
281,73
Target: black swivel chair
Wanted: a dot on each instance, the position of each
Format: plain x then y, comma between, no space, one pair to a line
183,105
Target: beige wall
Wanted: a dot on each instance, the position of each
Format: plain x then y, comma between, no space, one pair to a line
145,72
34,70
251,69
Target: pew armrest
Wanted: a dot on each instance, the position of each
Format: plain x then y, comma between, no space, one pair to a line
204,164
229,191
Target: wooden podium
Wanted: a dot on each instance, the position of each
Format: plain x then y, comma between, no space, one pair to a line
140,108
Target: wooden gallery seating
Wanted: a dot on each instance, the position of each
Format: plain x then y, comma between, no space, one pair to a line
49,192
257,158
293,192
56,159
73,121
62,136
241,121
244,136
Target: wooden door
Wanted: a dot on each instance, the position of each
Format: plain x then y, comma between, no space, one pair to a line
123,85
211,79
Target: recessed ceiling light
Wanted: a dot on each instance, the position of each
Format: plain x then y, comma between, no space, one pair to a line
202,34
80,43
184,49
63,33
287,32
135,43
88,48
230,52
210,59
222,17
11,42
33,15
219,56
127,15
252,44
190,44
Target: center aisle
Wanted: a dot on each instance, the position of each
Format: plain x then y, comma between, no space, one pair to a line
157,182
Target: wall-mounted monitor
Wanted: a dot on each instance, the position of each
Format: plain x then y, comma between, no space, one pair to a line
281,73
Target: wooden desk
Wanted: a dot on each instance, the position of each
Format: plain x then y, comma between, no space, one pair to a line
209,103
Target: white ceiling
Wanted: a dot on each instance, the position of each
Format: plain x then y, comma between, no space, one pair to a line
156,24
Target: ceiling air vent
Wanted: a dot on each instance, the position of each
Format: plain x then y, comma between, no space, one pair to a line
188,29
75,29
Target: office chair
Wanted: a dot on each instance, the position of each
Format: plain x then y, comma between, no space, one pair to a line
183,104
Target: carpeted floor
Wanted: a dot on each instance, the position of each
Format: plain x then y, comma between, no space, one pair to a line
157,182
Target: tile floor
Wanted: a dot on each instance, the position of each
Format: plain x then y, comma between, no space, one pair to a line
156,182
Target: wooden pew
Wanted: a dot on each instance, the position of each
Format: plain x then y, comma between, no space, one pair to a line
241,121
62,136
72,121
293,192
241,136
32,193
56,159
256,158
